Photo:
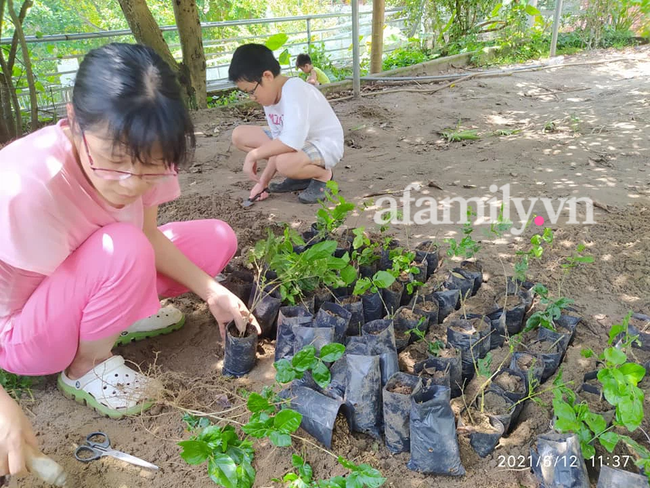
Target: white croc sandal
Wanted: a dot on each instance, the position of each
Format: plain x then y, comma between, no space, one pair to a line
166,321
111,388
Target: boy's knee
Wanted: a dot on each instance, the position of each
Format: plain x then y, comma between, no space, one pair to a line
238,136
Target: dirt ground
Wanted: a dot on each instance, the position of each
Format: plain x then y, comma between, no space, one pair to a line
596,145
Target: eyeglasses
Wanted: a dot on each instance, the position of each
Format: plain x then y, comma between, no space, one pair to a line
252,92
116,175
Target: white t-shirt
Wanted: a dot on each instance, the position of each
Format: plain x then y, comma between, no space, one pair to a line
302,115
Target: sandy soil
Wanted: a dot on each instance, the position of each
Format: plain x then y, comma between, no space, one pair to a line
598,148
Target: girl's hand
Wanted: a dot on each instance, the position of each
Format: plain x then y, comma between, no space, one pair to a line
15,434
226,307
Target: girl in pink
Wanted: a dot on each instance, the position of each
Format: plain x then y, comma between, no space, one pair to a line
82,260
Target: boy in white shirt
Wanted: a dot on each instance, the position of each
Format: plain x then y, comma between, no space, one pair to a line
304,139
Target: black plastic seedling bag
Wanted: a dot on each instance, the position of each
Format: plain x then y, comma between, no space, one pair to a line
336,388
512,382
514,314
550,336
363,394
484,443
458,279
354,305
428,305
499,329
373,307
265,309
507,418
473,270
434,445
447,301
557,461
473,344
617,478
392,299
240,283
567,324
333,316
318,412
322,295
429,251
380,338
408,318
397,411
433,373
240,352
288,318
453,365
316,336
551,355
530,365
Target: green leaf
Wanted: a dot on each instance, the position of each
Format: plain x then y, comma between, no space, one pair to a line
588,451
287,421
321,375
285,372
630,413
633,372
194,452
365,475
349,274
297,461
276,41
587,353
211,434
321,250
615,356
346,464
332,352
361,286
279,439
304,359
548,235
257,428
38,35
257,403
530,10
383,279
595,422
285,57
609,440
615,331
223,470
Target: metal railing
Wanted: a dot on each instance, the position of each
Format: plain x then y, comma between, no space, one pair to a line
333,30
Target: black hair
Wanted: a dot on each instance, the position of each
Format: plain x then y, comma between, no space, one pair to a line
302,60
129,90
250,61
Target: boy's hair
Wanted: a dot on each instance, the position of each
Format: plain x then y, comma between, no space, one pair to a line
250,61
302,60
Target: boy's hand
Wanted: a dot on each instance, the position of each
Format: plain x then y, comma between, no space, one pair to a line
250,166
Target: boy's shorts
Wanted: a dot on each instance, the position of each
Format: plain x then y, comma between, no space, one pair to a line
309,149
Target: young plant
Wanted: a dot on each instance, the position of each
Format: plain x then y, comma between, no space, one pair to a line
230,459
361,476
458,135
402,263
380,280
546,318
466,247
16,386
434,347
308,360
536,250
328,220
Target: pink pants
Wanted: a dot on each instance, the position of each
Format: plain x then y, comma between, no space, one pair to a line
108,283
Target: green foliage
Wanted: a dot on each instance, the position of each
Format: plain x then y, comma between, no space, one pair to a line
278,428
380,280
406,56
308,360
483,365
229,458
328,220
301,273
546,318
458,135
360,476
466,247
224,100
16,386
536,250
434,347
577,258
194,422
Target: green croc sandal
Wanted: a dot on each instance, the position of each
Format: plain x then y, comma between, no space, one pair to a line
111,388
166,321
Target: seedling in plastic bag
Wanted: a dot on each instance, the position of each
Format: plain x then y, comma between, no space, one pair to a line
307,360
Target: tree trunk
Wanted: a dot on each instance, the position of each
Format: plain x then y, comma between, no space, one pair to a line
7,129
146,30
15,129
377,46
189,30
33,101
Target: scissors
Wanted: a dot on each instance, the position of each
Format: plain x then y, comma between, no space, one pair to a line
98,445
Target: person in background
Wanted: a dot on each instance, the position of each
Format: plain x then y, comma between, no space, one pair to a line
315,75
304,138
82,259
